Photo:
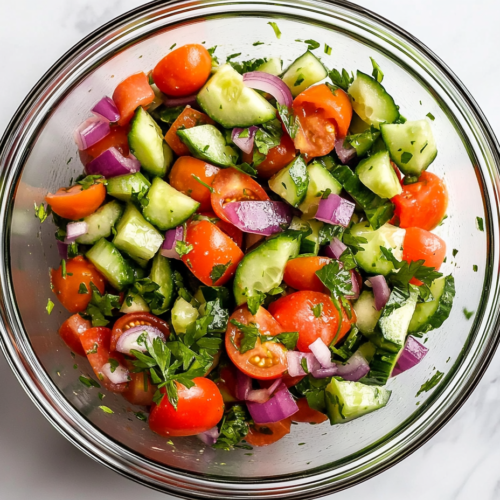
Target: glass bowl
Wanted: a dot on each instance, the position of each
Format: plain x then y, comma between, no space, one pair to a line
37,155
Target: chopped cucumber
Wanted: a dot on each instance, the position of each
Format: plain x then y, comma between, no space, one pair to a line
134,303
431,315
167,207
346,401
371,102
357,125
101,222
161,274
310,243
371,258
272,66
228,101
304,72
137,237
111,264
366,314
123,186
207,143
183,314
381,367
364,141
147,145
262,269
411,145
291,182
378,175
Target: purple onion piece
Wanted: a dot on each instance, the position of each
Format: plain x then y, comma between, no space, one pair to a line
74,230
345,154
411,355
381,291
106,108
209,437
280,406
335,210
244,143
294,359
172,102
271,84
335,249
325,372
355,285
62,249
111,163
258,396
118,375
128,339
355,368
322,353
274,386
90,132
243,385
172,236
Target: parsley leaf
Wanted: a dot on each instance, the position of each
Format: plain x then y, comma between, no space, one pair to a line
169,115
113,364
468,314
90,180
288,339
83,289
247,66
377,72
317,310
303,363
268,137
328,50
299,80
250,335
50,306
277,31
89,382
255,301
105,409
101,306
233,429
342,80
41,212
182,248
336,279
354,242
431,383
312,44
347,258
329,231
246,169
218,271
232,56
430,116
406,157
138,198
480,223
289,119
150,292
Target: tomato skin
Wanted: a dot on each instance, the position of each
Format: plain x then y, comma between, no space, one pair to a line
135,319
199,409
294,313
182,178
307,414
422,204
232,185
266,434
420,244
117,138
227,384
78,270
133,92
211,247
300,273
267,326
183,71
71,331
189,118
232,231
75,203
135,393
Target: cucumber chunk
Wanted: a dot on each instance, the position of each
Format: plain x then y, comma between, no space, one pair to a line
111,264
366,314
161,274
431,315
346,401
228,101
137,237
134,303
262,269
291,182
377,174
183,314
206,294
167,207
381,366
310,243
371,102
371,259
411,145
305,71
207,143
147,145
101,222
357,125
364,141
271,66
123,186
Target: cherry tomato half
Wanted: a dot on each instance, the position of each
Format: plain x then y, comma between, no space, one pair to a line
308,414
227,383
232,231
266,434
117,138
135,393
71,330
300,273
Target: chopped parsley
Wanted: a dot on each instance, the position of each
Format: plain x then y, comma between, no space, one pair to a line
182,248
233,429
406,157
289,119
101,306
89,181
468,314
341,80
210,188
83,289
232,56
328,50
431,383
312,44
41,212
89,382
257,43
50,306
277,31
218,271
480,223
140,416
267,137
377,72
113,364
172,46
317,310
105,409
454,252
430,116
101,396
474,268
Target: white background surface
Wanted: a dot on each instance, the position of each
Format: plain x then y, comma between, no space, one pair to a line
460,463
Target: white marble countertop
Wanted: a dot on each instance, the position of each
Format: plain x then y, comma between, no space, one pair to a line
460,463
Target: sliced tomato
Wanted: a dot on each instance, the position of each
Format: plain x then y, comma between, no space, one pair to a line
71,330
67,289
232,185
266,434
300,273
422,204
189,118
227,384
117,138
266,360
420,244
133,92
137,319
139,392
185,176
199,409
307,414
295,313
231,230
214,256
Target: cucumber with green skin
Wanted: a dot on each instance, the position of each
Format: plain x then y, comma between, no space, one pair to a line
101,222
122,186
381,367
366,315
291,182
134,303
378,175
305,71
162,275
310,243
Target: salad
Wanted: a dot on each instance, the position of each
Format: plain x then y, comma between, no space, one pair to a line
249,247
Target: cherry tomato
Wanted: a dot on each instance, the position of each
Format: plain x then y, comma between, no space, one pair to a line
422,204
183,71
117,138
420,244
266,434
214,257
78,270
232,231
71,331
265,361
300,273
75,203
227,384
137,319
199,409
95,342
189,118
184,175
133,92
307,414
135,393
232,185
295,313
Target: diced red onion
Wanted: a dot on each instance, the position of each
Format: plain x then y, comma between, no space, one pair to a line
325,372
172,102
244,143
381,291
271,84
280,406
294,359
322,353
120,374
258,395
243,385
411,355
172,236
74,230
112,163
368,284
209,437
274,386
345,154
355,285
62,249
335,249
90,132
259,217
128,339
106,108
355,368
335,210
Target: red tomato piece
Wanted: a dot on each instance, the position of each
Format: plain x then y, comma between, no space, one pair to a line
199,409
266,434
307,414
135,393
232,231
227,384
300,273
117,138
71,330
